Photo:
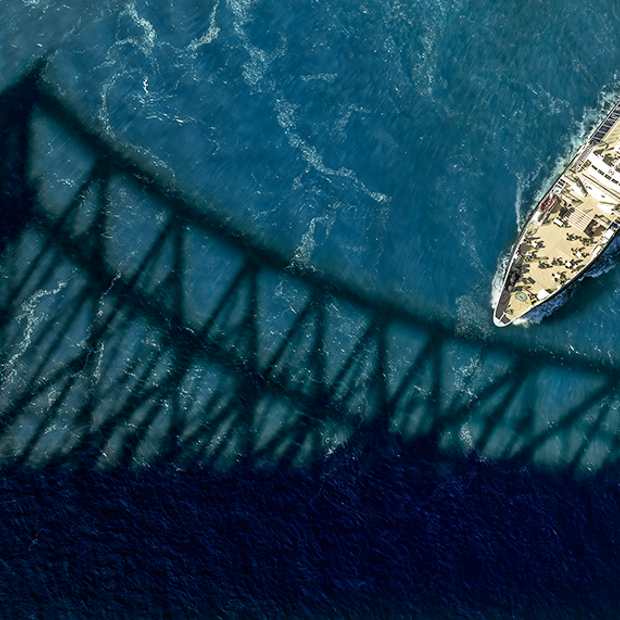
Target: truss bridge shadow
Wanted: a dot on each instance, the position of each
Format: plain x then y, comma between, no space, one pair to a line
136,321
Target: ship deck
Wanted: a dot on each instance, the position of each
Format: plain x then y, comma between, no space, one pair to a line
559,243
553,254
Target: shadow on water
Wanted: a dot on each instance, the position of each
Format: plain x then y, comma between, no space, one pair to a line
139,321
404,533
17,202
193,422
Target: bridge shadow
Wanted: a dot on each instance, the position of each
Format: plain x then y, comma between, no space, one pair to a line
139,321
17,207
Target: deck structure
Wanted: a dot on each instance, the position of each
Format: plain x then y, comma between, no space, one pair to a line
569,229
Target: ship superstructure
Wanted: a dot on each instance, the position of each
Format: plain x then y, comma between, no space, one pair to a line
569,229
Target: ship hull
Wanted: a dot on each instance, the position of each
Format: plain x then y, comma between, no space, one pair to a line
569,229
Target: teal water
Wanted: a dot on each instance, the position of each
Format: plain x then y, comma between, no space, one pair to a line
400,143
397,145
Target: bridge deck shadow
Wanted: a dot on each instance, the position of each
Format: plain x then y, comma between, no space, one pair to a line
136,321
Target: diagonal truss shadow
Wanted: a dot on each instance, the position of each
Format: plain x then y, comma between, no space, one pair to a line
137,321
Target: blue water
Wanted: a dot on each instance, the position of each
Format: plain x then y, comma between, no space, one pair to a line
400,145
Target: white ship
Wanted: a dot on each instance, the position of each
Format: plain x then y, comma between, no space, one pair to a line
569,229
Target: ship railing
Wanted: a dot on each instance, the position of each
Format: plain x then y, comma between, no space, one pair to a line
581,160
607,124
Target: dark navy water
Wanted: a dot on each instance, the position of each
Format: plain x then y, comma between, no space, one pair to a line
398,145
340,541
